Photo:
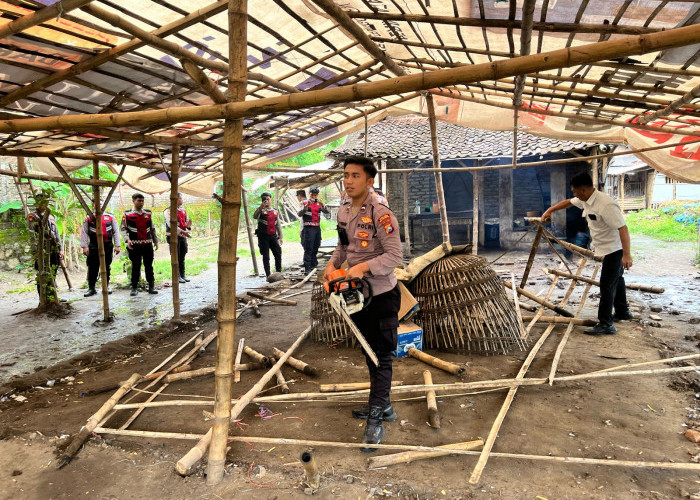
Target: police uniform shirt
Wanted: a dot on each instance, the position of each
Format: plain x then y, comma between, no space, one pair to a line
85,231
373,235
604,219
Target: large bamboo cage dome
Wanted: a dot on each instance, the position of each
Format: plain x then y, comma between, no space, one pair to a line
326,324
464,307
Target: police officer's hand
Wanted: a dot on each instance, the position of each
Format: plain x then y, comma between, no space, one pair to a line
358,271
117,250
155,246
547,215
330,269
61,255
86,251
129,245
280,241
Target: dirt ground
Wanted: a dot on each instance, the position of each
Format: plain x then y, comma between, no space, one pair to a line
628,418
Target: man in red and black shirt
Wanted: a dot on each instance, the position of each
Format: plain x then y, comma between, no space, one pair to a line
140,238
310,214
269,233
184,226
88,242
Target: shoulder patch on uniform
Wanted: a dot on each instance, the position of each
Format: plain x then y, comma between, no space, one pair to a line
389,229
384,219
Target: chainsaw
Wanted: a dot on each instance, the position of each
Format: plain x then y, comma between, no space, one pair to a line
346,297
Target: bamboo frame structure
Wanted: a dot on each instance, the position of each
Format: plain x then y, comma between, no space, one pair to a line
442,206
97,207
174,230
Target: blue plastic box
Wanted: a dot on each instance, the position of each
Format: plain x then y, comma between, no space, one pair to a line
410,335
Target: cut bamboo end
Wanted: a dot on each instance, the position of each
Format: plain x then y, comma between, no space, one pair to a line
282,383
311,475
433,414
185,466
452,368
297,364
257,356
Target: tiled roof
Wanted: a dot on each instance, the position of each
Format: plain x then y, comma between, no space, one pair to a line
408,138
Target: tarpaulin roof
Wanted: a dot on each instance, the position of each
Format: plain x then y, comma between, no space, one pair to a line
90,61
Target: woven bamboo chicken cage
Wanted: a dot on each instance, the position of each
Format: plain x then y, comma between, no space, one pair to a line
326,324
464,307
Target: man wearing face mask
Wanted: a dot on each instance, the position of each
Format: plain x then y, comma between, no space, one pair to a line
611,240
269,233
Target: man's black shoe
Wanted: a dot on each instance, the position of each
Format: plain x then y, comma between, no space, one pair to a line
185,278
388,415
600,329
152,289
374,432
90,292
109,291
182,280
134,292
625,316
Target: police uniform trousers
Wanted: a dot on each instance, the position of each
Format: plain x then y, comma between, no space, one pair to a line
612,288
136,254
181,252
93,262
54,262
311,241
379,322
267,242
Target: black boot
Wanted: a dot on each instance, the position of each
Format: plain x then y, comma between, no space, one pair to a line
134,291
91,291
152,289
388,415
374,432
182,274
182,280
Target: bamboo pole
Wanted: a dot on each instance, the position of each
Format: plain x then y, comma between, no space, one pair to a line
100,242
174,230
249,229
272,299
228,240
647,363
673,107
446,366
542,302
92,422
352,386
412,456
442,206
531,258
259,358
112,189
516,303
200,372
406,217
185,464
71,182
237,361
282,383
311,475
631,286
570,56
559,319
297,364
40,16
145,378
433,414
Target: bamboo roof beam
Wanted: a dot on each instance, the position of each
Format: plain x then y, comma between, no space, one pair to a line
571,56
525,39
53,178
435,46
577,28
674,107
108,55
356,32
209,87
640,68
578,117
36,18
155,139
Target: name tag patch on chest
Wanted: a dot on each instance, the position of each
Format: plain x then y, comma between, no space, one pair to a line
365,219
364,243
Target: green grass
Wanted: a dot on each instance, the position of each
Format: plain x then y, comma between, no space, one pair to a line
291,232
662,223
22,289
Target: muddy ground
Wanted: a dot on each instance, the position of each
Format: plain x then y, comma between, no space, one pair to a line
628,418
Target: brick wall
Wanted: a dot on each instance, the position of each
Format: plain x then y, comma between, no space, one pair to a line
421,187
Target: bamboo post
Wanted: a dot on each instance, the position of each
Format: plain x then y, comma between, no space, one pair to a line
475,212
406,216
542,302
237,361
433,415
438,175
311,474
297,364
531,258
174,229
452,368
179,374
100,242
412,456
228,240
92,422
249,229
631,286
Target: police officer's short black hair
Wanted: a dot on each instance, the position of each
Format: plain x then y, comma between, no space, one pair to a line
301,192
581,180
265,195
367,164
135,196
